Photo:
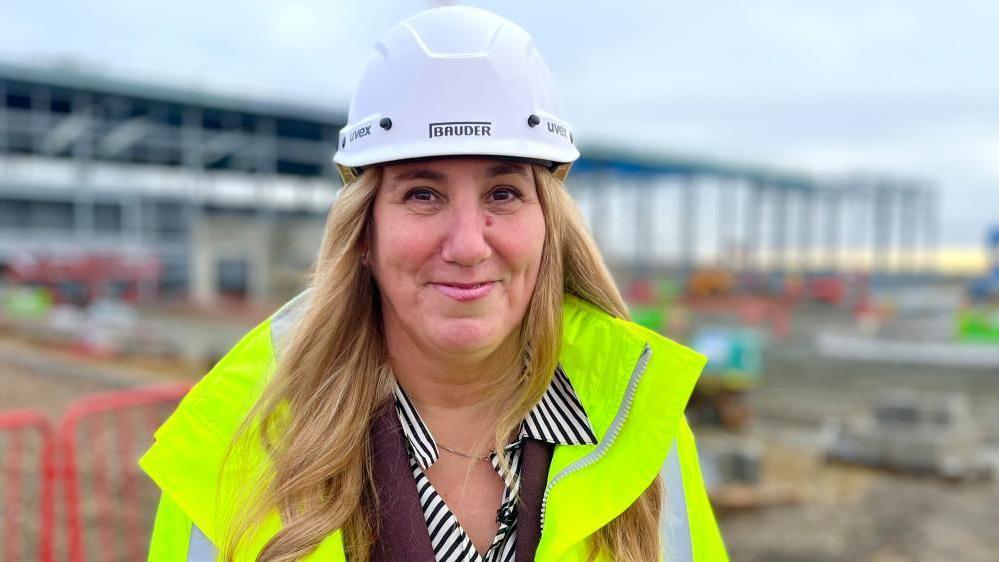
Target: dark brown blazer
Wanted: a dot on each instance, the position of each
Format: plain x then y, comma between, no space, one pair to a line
402,534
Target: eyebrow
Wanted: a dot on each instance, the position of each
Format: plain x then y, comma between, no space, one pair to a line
504,169
491,172
421,174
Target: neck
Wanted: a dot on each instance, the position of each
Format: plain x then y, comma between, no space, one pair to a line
436,380
453,393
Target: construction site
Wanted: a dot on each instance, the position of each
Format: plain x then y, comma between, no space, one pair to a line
849,409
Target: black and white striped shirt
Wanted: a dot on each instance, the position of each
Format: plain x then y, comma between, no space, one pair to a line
558,418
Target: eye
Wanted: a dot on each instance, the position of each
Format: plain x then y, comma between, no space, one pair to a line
504,193
421,194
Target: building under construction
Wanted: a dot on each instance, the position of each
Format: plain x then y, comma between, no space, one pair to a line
113,185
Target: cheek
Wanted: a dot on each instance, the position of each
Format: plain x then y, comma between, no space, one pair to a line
405,250
399,247
525,243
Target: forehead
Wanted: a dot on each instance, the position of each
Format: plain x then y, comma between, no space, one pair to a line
443,169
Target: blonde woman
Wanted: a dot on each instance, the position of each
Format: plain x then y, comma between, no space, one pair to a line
460,381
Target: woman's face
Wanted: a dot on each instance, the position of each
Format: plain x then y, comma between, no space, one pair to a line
455,249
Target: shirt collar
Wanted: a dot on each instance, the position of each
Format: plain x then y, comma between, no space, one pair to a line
558,418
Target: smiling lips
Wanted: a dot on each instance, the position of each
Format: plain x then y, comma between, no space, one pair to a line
464,292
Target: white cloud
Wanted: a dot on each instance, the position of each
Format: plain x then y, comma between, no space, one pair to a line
301,25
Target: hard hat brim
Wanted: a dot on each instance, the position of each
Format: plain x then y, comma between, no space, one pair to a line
558,161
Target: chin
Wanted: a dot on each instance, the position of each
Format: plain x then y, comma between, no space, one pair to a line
467,336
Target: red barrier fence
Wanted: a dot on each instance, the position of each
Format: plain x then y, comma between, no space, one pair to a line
17,427
107,505
127,419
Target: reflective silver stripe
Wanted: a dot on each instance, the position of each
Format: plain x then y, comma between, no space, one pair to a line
201,549
286,317
676,525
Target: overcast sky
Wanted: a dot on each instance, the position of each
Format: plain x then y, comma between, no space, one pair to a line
905,87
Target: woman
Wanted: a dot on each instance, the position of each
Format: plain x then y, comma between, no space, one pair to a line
460,382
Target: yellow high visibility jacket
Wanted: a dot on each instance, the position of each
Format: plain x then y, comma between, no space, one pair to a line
632,382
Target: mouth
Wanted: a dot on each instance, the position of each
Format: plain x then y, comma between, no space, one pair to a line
465,292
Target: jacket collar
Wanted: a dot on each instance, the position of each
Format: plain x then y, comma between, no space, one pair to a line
634,384
558,418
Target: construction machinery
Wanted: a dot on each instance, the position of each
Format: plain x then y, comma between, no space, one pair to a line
733,369
725,328
710,282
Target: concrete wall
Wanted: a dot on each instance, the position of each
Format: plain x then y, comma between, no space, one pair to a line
278,251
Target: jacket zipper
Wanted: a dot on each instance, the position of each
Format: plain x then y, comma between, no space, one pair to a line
612,432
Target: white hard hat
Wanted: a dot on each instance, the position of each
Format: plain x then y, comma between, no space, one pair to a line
454,81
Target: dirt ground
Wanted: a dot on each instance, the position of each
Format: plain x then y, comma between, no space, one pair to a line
861,514
856,513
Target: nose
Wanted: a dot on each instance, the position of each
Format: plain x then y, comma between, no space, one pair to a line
465,243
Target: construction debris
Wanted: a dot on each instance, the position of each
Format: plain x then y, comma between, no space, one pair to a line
914,431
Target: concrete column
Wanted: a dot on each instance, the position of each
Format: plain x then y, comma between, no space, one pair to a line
265,160
908,226
859,221
83,214
600,206
157,126
83,146
882,225
753,221
264,146
688,224
191,134
644,248
261,259
726,223
148,243
805,227
932,228
833,206
201,278
780,229
739,190
201,267
41,119
83,196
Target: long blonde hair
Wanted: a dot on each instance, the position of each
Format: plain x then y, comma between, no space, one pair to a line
333,374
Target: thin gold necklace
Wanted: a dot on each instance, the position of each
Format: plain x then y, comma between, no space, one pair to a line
466,455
